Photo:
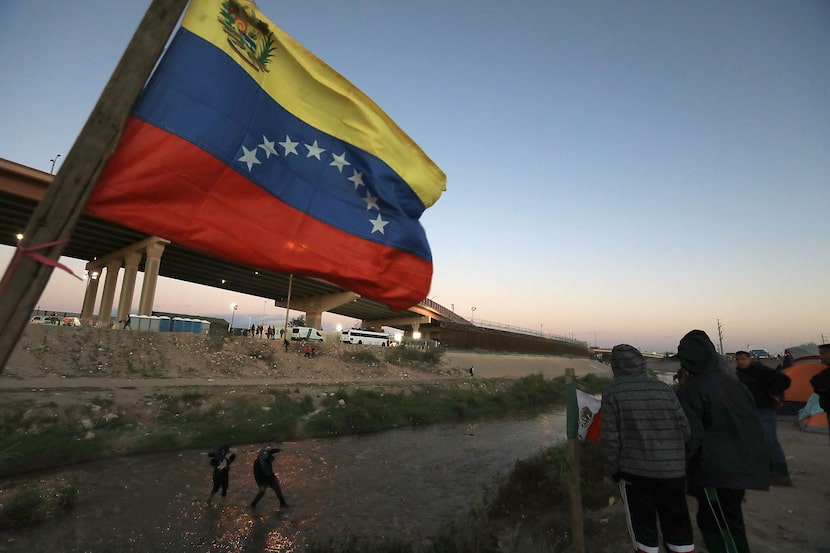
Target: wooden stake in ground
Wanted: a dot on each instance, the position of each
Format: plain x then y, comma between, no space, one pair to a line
573,462
57,213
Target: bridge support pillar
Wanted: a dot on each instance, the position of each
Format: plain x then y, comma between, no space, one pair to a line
108,295
125,301
90,295
151,273
314,319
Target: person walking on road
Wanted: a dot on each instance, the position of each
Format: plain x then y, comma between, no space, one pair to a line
726,451
265,477
767,386
644,433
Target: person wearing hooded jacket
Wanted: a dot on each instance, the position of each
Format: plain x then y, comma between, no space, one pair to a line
727,454
644,433
221,463
264,476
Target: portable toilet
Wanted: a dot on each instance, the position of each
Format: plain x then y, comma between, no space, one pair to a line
143,322
197,326
154,323
178,323
164,324
187,325
205,327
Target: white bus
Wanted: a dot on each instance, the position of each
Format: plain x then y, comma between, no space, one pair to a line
367,337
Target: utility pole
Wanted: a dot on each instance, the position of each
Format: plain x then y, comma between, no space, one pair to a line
720,336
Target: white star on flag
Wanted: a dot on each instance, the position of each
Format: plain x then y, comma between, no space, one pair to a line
268,147
371,201
249,158
339,161
314,150
288,146
378,224
357,178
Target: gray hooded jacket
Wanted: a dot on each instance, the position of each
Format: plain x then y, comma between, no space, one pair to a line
644,428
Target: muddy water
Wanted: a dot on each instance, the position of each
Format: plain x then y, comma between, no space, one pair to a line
405,483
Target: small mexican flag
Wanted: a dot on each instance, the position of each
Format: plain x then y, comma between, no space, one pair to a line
589,416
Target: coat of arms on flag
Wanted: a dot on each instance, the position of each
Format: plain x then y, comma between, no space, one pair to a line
589,416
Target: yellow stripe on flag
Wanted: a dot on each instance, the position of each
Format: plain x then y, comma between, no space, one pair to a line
311,90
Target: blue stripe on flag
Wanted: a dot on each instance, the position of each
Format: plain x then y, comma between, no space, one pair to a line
201,95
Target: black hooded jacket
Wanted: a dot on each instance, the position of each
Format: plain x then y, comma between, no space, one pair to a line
764,383
726,448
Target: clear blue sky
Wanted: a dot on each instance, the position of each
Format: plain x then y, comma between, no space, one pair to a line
631,169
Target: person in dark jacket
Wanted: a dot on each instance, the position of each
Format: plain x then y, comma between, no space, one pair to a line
644,433
821,381
726,451
767,386
265,477
221,463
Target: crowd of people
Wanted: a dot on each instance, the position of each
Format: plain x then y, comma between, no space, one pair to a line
265,331
712,439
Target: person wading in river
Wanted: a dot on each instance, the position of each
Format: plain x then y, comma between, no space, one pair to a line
265,477
221,463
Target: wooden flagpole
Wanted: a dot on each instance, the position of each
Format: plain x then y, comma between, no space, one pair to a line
54,219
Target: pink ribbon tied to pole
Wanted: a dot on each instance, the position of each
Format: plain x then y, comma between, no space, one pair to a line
32,253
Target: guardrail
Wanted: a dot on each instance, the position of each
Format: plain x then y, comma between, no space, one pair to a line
449,315
456,318
519,330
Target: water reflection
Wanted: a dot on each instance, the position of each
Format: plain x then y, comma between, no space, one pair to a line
407,483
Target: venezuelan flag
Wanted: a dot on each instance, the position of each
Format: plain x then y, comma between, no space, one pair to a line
246,146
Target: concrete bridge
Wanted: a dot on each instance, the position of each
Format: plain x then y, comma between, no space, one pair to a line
116,252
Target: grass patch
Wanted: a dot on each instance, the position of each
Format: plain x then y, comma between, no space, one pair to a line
199,419
404,355
240,420
365,411
30,505
359,354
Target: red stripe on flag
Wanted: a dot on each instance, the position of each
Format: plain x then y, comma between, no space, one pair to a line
162,185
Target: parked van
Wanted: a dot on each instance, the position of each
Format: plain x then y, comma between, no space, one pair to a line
306,333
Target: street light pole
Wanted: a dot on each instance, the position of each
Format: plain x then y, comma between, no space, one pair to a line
472,314
233,312
52,170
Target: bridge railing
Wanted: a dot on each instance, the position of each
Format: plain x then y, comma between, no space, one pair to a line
519,330
456,318
449,315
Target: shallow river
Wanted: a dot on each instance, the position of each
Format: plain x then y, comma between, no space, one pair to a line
404,483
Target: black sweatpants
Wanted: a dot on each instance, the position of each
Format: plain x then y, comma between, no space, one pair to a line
220,480
274,484
720,519
645,500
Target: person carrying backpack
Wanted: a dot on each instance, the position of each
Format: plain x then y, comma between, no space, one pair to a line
221,463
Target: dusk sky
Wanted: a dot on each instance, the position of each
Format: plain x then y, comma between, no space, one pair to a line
621,170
